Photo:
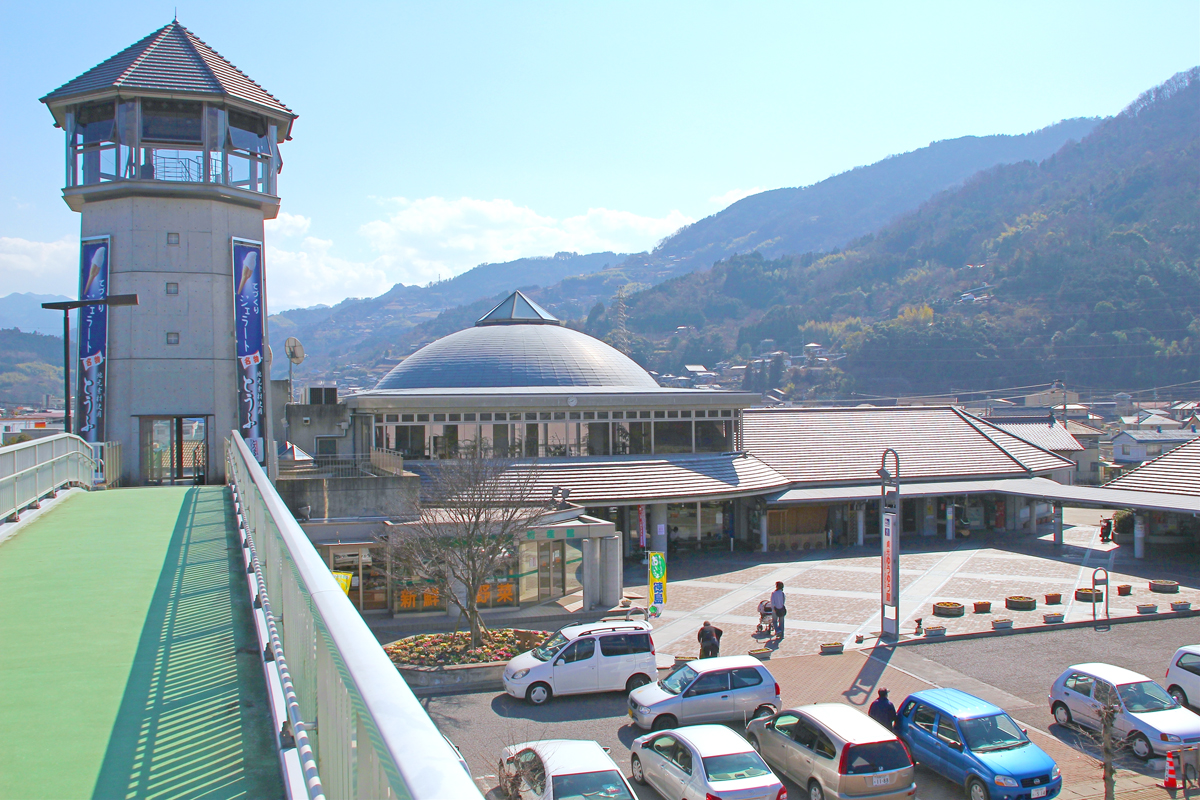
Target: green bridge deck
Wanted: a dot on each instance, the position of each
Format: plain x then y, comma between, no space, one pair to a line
129,667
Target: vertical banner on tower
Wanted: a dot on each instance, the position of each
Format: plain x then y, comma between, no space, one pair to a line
249,326
93,338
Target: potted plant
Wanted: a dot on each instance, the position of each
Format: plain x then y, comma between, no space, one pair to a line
1181,605
1019,602
831,648
1053,598
1124,589
1002,624
935,630
761,653
983,606
1147,608
1053,617
1089,595
947,609
1164,587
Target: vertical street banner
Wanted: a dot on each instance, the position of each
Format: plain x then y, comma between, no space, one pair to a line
657,578
249,320
889,559
93,338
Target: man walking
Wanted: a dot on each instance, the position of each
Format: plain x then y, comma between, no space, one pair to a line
779,605
882,710
709,637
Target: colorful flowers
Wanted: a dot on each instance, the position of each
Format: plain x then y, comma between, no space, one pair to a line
435,649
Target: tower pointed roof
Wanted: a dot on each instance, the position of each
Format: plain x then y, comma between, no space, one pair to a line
518,309
170,60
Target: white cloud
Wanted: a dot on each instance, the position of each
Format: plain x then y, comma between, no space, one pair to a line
312,275
288,225
732,196
39,267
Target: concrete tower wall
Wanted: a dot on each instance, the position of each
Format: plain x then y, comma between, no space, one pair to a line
147,376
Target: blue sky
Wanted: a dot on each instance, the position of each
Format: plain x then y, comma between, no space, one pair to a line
435,136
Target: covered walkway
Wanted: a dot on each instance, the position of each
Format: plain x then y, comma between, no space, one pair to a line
129,662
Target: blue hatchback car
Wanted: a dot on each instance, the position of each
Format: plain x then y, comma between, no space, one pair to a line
976,745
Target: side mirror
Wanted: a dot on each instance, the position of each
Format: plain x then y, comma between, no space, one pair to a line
560,662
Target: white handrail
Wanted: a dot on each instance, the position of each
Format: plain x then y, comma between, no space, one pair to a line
32,470
370,735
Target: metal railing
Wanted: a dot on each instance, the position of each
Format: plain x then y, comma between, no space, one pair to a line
30,471
380,463
107,456
369,735
389,462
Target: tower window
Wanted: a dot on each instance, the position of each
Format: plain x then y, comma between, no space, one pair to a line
172,288
171,120
173,238
172,338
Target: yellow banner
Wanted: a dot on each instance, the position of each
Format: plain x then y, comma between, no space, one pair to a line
343,579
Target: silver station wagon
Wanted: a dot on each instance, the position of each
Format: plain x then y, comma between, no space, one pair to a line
722,689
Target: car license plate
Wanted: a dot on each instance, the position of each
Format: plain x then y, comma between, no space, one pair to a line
1039,792
881,780
631,713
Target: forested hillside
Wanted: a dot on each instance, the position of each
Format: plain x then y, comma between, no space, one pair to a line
30,366
1087,264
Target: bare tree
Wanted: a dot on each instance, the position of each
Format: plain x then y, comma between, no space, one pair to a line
471,512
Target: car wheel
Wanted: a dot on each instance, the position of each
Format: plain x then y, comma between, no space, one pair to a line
753,740
538,693
1140,746
764,710
1062,714
1179,695
664,721
635,681
976,790
815,792
635,769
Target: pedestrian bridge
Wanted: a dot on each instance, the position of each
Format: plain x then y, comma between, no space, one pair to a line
141,657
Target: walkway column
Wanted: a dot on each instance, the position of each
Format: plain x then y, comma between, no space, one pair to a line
762,530
612,575
657,514
862,524
1012,513
1058,523
591,573
1139,536
699,525
949,519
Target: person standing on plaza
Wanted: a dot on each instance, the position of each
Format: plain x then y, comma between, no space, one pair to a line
882,710
779,606
709,637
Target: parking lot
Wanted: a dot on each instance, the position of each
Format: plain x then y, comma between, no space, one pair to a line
1013,671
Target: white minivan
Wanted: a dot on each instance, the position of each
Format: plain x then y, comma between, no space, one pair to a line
593,657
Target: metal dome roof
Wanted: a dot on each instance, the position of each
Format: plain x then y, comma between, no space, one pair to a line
517,356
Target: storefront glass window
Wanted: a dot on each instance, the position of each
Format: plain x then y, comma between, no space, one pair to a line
672,437
712,436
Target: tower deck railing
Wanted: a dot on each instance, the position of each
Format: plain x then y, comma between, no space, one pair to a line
30,471
367,733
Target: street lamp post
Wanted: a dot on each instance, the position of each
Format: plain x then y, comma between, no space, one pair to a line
889,528
67,307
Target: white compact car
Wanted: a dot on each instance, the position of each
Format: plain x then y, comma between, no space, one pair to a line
1147,718
722,689
595,657
1183,676
703,761
561,769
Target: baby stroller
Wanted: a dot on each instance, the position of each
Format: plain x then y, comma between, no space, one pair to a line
766,618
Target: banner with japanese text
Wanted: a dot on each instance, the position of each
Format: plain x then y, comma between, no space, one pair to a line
93,338
249,320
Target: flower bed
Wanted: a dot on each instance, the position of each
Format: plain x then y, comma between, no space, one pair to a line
1019,602
441,649
946,609
1164,587
1088,595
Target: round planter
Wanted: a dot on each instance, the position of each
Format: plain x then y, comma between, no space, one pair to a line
934,631
983,607
1020,602
1002,624
1054,598
1182,605
1164,587
1124,590
948,609
831,648
1147,608
1089,595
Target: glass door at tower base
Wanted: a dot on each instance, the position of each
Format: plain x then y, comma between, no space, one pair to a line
174,450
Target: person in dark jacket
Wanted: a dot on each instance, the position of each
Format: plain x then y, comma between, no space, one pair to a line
882,710
709,637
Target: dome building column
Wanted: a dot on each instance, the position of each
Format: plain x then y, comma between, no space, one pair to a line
658,527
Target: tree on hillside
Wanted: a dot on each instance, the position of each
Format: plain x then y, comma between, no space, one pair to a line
465,534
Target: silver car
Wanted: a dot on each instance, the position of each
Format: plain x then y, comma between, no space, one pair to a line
703,761
1147,718
723,689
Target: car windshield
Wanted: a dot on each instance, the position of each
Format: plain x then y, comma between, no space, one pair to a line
876,757
997,732
679,679
735,766
608,785
1145,696
546,650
